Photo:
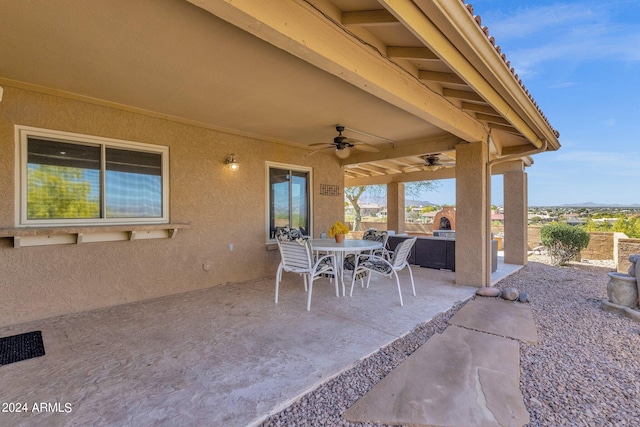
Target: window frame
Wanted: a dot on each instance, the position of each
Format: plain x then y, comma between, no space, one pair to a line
292,168
23,133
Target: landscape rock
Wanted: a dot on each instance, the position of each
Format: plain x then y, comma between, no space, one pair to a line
523,297
510,294
488,292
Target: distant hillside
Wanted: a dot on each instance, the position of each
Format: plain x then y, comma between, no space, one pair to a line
599,205
383,201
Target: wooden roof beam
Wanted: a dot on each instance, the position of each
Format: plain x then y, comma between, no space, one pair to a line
405,150
479,108
421,53
492,119
441,77
369,17
462,94
372,168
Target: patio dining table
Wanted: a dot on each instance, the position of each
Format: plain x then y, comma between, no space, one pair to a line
347,246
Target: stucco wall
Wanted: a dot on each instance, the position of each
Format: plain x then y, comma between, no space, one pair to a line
220,206
601,246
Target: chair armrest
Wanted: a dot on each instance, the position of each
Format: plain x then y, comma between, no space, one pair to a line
330,257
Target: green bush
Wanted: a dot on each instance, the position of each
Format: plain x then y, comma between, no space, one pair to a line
563,241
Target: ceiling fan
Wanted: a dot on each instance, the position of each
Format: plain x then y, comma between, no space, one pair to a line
433,163
343,145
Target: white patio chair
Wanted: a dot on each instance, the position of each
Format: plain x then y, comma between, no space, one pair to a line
372,235
297,257
368,264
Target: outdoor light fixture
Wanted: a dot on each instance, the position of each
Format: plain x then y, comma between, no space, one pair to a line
343,153
231,163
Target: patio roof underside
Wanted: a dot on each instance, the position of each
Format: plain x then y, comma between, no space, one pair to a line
412,78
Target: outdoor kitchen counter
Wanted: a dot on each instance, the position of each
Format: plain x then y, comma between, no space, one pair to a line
438,252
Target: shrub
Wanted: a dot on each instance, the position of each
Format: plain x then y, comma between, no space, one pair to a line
563,241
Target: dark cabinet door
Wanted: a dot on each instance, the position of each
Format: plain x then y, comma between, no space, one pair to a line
431,253
451,255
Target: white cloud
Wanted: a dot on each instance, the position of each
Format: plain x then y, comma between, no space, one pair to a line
601,163
575,32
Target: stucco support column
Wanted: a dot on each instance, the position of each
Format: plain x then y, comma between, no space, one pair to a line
472,214
395,206
515,217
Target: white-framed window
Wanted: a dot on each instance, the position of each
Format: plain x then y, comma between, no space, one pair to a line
72,179
289,201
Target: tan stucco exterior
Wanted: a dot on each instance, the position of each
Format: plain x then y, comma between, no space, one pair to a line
219,206
268,81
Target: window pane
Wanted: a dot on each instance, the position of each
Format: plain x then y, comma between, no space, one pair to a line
63,180
299,202
289,200
279,198
133,184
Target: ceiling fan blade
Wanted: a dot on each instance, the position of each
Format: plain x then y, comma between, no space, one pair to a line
366,147
320,144
319,150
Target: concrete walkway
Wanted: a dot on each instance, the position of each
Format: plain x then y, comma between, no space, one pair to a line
467,376
222,356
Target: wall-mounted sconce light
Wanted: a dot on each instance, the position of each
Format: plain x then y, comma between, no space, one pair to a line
231,163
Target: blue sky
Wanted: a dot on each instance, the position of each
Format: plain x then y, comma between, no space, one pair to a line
581,62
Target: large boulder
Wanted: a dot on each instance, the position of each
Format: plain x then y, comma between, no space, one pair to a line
488,292
510,294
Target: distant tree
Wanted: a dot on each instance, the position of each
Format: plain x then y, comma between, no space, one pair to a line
353,194
427,209
59,192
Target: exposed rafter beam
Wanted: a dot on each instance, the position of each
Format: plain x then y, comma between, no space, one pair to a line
462,94
441,77
369,17
432,22
518,149
504,128
492,119
479,108
444,173
421,53
349,175
371,168
301,30
360,172
388,167
415,149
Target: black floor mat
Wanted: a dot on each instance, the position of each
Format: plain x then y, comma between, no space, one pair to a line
21,347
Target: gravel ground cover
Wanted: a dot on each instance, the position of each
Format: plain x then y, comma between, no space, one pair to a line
585,371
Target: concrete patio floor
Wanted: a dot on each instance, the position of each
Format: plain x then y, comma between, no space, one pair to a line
222,356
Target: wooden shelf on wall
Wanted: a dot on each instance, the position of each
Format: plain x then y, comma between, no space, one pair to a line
42,236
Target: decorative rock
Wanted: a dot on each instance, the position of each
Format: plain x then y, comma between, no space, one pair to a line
634,264
488,292
622,289
510,294
523,297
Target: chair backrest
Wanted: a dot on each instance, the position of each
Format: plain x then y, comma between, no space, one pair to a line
402,252
295,254
376,236
288,233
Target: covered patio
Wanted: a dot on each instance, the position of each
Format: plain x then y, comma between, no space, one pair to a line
222,356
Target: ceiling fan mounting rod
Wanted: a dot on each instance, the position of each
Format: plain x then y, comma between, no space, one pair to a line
368,134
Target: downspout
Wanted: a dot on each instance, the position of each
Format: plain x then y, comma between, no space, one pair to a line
491,163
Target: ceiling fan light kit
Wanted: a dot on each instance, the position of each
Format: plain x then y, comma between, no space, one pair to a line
343,153
342,145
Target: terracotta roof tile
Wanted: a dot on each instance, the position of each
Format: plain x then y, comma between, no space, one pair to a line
492,41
